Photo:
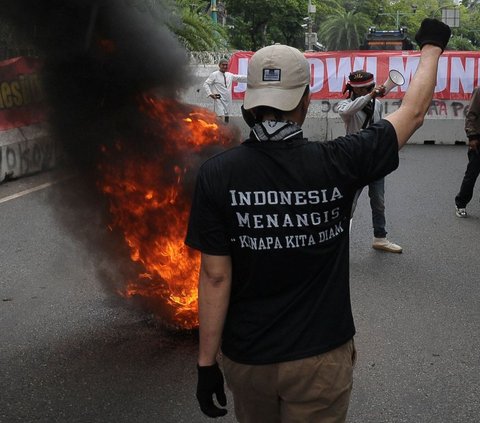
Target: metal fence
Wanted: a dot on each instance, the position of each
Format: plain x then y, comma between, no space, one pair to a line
208,57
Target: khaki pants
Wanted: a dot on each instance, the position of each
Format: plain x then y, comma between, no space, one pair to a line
312,390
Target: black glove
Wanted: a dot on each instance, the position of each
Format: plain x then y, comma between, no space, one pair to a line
433,32
210,381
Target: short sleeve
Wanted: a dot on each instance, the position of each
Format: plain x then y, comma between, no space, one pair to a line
370,154
207,227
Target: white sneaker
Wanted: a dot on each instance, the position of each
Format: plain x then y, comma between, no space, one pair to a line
460,212
385,245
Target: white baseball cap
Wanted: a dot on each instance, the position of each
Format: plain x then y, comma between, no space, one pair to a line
277,77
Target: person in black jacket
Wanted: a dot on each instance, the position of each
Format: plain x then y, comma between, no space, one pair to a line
472,129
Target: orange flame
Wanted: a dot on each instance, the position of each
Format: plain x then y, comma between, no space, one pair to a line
149,195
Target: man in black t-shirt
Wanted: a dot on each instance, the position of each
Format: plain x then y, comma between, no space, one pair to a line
271,219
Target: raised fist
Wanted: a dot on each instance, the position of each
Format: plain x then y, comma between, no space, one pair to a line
433,32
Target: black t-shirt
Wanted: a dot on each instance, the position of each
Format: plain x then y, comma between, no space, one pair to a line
281,210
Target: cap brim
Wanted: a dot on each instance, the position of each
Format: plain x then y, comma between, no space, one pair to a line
278,98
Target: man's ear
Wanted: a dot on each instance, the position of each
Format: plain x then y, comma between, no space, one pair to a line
305,102
248,117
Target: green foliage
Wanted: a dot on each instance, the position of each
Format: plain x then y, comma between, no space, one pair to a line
188,20
461,44
386,15
468,30
257,23
369,8
195,29
470,4
325,8
344,30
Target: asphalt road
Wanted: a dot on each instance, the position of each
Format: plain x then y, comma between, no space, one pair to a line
72,352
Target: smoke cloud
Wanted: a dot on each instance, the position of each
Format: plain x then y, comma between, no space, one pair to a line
100,56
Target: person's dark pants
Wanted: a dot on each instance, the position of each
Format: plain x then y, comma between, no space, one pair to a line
468,183
376,192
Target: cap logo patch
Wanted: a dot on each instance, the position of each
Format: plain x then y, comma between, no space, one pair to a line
274,75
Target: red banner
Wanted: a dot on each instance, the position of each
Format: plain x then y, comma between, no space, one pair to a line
21,94
458,71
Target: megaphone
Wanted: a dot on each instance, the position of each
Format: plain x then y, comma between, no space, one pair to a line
395,79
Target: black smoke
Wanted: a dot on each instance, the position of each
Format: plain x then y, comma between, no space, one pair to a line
100,57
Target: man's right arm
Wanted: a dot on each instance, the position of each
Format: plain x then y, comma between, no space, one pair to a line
207,85
411,114
433,37
213,298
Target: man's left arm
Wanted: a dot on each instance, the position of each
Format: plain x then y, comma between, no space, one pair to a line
239,78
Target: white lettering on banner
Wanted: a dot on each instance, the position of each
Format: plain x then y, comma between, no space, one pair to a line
337,72
317,70
458,72
441,83
461,74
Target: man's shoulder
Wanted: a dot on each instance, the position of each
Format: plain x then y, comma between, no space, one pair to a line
225,156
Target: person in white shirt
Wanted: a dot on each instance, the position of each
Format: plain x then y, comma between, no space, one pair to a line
219,87
359,111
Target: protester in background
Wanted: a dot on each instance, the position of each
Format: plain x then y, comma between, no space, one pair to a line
472,129
359,111
271,220
219,87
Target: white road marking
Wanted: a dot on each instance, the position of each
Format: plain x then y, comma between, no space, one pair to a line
29,191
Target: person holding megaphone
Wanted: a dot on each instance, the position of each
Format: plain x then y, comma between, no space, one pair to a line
360,110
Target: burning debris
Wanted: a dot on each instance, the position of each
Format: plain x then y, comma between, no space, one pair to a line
112,76
148,194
